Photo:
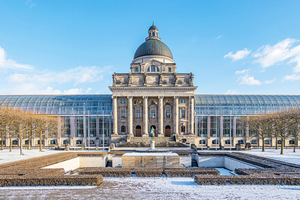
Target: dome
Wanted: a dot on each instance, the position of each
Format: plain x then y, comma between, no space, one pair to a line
153,47
153,28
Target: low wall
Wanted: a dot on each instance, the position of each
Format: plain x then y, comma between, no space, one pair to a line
186,161
79,162
222,161
116,160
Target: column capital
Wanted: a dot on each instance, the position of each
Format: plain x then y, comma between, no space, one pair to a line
161,97
113,97
145,97
129,97
176,97
191,97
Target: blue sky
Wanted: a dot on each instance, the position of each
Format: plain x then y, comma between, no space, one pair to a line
71,47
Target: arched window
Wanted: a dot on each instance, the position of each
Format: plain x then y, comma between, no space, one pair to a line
15,142
241,141
215,142
92,142
78,142
292,142
38,142
253,141
183,129
183,140
123,129
26,142
227,141
153,68
202,142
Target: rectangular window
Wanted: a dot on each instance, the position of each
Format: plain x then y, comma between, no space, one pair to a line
123,100
182,113
152,113
182,100
168,114
153,68
170,69
123,113
136,69
138,114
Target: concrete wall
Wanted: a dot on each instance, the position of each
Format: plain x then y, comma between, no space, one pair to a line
68,165
186,161
233,164
116,160
221,161
74,163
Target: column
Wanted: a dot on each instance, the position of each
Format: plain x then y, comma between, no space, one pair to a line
115,115
221,126
196,126
145,113
59,121
176,114
130,116
160,117
191,115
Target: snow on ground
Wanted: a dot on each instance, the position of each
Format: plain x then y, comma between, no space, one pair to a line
288,154
154,188
6,156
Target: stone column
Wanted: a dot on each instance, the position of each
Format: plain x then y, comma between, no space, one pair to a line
145,113
115,115
196,126
176,115
160,117
130,116
192,115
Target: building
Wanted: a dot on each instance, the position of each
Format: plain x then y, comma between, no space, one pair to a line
152,95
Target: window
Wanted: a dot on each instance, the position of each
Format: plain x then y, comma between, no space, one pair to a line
78,142
202,142
241,141
215,142
15,142
138,114
152,113
153,68
26,142
253,141
182,100
53,142
267,141
182,113
66,142
227,141
92,142
168,114
123,100
123,129
183,129
279,142
38,142
136,69
123,113
292,142
169,69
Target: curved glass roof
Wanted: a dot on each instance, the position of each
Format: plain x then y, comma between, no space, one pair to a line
59,104
244,104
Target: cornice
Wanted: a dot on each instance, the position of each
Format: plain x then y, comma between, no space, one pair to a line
152,88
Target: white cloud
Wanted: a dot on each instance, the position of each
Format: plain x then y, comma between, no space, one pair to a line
219,37
248,80
230,91
270,55
11,64
238,55
243,71
77,75
270,81
88,90
293,77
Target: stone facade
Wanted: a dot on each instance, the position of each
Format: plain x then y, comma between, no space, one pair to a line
153,95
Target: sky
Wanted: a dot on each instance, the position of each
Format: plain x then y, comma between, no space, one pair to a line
74,47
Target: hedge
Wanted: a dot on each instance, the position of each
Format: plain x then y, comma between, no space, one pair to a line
142,172
189,172
106,172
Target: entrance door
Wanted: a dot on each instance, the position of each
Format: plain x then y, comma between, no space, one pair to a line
138,131
168,131
154,127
